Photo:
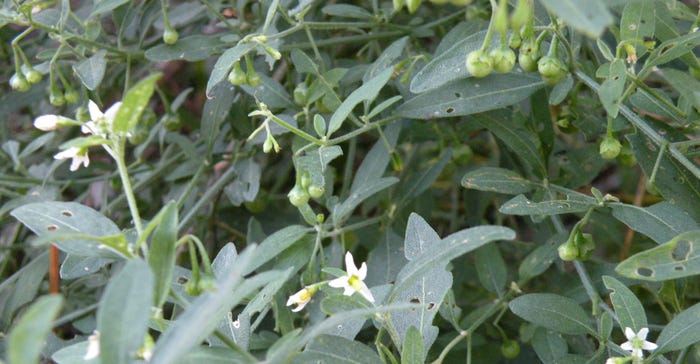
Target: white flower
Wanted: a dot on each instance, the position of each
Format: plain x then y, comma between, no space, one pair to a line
79,156
637,342
353,282
93,349
300,299
100,123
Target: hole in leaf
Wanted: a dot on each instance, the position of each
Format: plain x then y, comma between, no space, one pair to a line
450,110
681,250
431,305
679,268
66,213
182,280
458,95
645,272
414,300
616,78
52,228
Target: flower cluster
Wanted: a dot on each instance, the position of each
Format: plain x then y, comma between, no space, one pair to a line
352,282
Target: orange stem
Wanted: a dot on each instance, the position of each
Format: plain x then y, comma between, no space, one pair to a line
53,269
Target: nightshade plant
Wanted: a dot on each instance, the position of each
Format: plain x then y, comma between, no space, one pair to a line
519,181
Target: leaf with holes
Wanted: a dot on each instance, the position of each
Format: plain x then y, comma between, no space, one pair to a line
629,310
675,259
612,88
661,222
471,96
44,218
638,22
521,205
554,312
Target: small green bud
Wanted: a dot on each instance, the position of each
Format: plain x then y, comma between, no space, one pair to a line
552,69
567,251
316,191
237,77
71,96
298,196
515,40
412,5
502,59
300,94
170,36
19,83
82,114
267,144
478,64
510,349
462,154
529,55
33,76
56,98
192,288
305,180
139,134
171,122
253,78
610,148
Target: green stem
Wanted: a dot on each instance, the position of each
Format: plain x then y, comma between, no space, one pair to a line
296,130
209,195
126,183
664,145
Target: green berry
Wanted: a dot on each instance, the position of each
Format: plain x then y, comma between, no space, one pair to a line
33,76
462,154
502,59
298,196
316,191
300,94
170,36
510,349
71,96
237,77
19,83
268,144
552,69
478,64
567,252
253,78
529,55
57,98
610,148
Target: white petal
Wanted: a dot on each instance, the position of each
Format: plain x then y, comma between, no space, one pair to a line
638,353
350,266
366,293
299,308
362,273
112,112
46,122
642,334
339,282
75,164
629,333
66,154
291,300
94,110
348,291
627,346
649,346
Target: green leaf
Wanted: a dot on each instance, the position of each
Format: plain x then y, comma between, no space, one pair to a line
685,85
125,307
421,180
520,205
162,255
667,30
335,349
274,244
561,90
513,134
374,165
542,257
133,103
554,312
302,62
678,258
346,11
454,245
673,181
104,6
271,93
216,109
246,185
419,237
192,49
471,96
28,336
342,211
491,269
549,346
612,88
366,92
91,70
215,355
494,179
638,22
44,218
412,350
75,266
315,163
630,312
225,63
661,222
672,49
589,17
21,288
450,65
682,332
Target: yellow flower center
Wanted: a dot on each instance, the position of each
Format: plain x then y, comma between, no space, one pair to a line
355,282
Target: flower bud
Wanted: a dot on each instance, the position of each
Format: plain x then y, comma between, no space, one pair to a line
316,191
298,196
502,59
478,64
19,83
552,69
610,148
510,349
252,77
300,94
529,55
56,98
71,96
170,36
567,251
33,76
237,77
